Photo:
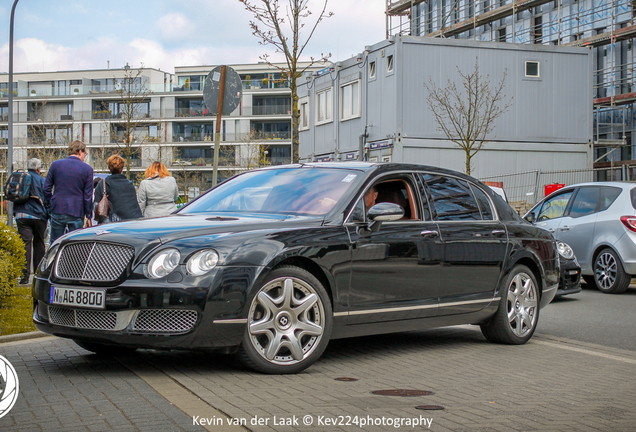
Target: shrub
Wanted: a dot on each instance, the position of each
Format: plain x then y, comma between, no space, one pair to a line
12,260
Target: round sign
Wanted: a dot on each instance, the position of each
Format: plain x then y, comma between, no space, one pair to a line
233,88
9,386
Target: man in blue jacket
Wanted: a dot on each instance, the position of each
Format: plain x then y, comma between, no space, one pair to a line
69,189
31,217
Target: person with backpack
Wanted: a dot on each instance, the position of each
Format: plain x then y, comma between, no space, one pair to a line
31,215
69,189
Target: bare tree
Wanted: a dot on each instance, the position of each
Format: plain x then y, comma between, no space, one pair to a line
250,154
132,113
467,114
281,27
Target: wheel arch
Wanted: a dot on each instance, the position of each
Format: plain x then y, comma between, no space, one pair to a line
534,268
310,266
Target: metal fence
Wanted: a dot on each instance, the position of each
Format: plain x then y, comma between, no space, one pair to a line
525,189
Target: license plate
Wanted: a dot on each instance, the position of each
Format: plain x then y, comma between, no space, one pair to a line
80,297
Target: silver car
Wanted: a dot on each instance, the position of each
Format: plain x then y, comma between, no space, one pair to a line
598,220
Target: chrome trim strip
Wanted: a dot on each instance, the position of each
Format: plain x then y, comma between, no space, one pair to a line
469,302
231,321
551,288
408,308
339,314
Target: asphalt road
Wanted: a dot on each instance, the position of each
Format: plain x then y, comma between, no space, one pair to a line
593,317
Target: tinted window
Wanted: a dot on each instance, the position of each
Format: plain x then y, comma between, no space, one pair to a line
312,191
555,206
608,196
585,202
452,198
484,203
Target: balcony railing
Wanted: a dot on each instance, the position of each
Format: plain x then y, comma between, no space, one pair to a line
189,112
273,135
272,110
225,137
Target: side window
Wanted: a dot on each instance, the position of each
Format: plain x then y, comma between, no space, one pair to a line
452,198
554,207
608,196
359,212
484,203
585,202
398,191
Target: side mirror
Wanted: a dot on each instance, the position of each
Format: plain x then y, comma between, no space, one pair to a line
530,217
381,212
385,212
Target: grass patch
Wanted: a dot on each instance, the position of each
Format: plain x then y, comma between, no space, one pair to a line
16,312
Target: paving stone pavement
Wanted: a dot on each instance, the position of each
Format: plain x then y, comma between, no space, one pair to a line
548,384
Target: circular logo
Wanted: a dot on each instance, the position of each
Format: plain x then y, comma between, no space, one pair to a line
9,386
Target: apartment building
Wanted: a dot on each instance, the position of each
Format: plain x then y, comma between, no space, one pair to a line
150,115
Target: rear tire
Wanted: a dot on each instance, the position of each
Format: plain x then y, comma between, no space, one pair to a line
609,274
516,318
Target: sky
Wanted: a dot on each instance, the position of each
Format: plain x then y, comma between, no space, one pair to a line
61,35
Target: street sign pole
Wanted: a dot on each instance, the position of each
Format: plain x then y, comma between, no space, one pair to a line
217,136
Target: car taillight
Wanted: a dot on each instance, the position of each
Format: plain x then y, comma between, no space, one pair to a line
629,222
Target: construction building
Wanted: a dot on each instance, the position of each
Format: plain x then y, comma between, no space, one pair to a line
376,103
605,27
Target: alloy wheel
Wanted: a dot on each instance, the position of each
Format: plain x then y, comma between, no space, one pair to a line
605,270
522,304
286,321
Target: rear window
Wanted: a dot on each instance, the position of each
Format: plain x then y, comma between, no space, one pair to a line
609,195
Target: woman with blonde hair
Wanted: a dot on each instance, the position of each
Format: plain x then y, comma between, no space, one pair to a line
157,192
120,192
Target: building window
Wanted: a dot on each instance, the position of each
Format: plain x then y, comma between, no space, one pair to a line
372,70
501,35
350,100
324,106
532,69
389,63
304,113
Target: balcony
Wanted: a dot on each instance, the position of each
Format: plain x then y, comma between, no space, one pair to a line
255,84
225,137
284,135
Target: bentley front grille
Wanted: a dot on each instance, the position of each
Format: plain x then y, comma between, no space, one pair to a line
81,318
143,321
164,321
92,261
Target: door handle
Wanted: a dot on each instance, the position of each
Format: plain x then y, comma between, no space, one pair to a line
429,233
498,232
550,230
565,228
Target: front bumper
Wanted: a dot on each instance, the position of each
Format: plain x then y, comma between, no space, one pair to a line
142,313
570,278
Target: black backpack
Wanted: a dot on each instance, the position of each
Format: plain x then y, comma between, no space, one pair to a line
18,187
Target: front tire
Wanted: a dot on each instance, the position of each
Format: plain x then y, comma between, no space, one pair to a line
609,274
516,318
288,324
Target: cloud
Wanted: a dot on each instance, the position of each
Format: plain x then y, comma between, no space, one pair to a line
174,27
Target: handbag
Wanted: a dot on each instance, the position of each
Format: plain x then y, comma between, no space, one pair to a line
103,207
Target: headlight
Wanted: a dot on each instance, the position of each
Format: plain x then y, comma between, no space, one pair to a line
565,250
49,258
202,262
163,263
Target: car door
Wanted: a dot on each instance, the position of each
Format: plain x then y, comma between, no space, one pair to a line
396,270
474,241
576,227
548,215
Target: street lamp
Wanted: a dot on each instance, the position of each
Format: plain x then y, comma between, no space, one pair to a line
10,120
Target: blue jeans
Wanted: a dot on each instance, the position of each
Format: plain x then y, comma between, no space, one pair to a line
59,222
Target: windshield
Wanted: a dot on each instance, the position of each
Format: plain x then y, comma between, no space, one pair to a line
298,191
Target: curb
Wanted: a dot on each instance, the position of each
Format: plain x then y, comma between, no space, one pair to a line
22,336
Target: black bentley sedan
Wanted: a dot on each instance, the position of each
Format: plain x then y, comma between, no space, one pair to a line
275,262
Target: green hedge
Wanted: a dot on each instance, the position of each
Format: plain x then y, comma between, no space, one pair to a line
12,261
